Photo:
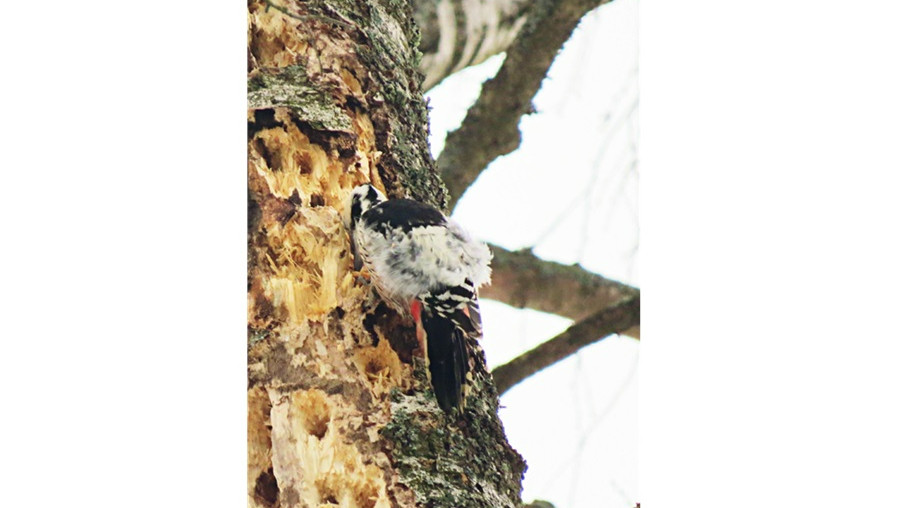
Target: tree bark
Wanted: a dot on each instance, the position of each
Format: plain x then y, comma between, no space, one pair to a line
340,411
459,33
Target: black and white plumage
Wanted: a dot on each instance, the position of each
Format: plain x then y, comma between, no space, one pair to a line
425,266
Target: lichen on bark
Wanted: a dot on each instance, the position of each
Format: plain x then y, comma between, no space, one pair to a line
289,87
461,460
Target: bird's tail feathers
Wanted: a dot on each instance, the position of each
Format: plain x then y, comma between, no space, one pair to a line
448,359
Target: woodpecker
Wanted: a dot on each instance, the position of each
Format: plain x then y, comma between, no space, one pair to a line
427,267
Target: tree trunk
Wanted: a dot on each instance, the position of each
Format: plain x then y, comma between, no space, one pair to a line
340,408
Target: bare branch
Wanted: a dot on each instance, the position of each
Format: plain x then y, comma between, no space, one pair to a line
491,127
602,306
523,280
539,503
616,319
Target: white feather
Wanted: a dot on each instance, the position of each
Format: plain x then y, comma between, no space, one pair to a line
406,265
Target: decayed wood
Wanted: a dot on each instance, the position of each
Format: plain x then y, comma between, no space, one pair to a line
339,411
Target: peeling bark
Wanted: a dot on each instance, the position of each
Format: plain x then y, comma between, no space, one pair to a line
340,411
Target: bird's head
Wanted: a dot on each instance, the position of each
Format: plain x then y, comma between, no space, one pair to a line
360,201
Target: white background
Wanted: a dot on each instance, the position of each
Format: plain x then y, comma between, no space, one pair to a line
768,254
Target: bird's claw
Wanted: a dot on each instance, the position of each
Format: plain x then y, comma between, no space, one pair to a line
362,273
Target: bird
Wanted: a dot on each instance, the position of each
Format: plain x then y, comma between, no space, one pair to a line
424,266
